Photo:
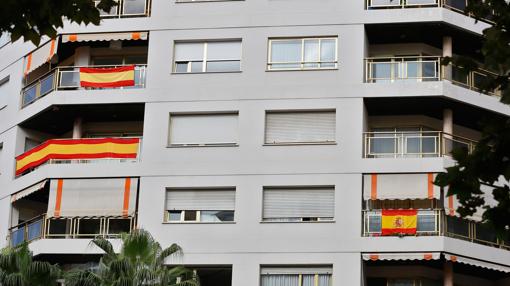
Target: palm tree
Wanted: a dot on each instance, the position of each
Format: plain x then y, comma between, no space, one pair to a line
17,268
140,262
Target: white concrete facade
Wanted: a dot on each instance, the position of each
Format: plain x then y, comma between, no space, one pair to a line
249,243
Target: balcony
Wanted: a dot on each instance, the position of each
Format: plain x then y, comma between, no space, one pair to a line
414,144
455,5
436,223
127,9
68,78
83,151
422,69
43,227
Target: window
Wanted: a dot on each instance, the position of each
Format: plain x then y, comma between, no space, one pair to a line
217,129
212,275
298,204
31,144
213,56
200,205
302,53
300,127
296,276
3,92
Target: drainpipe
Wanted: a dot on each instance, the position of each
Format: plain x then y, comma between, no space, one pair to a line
78,128
448,274
447,52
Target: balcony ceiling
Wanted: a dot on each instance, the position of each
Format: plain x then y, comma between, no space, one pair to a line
463,114
59,119
464,42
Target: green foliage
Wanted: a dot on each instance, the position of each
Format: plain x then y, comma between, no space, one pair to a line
17,268
32,19
139,262
490,160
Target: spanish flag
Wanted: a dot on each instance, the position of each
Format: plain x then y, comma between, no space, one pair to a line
72,149
399,222
107,77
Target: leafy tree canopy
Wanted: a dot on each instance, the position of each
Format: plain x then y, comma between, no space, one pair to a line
32,19
489,164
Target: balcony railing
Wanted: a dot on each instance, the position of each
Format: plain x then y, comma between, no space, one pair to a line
68,78
420,69
43,227
454,5
437,223
413,144
127,8
76,151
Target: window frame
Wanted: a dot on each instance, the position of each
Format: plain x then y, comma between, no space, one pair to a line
302,67
299,274
192,145
197,217
205,54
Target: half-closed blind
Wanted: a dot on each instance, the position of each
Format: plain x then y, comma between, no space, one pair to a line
200,199
203,129
299,202
302,126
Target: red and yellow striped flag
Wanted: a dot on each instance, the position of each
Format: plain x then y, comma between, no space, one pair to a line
77,149
399,222
107,77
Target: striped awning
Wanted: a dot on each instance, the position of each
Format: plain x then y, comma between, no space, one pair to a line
402,256
400,186
43,54
478,263
104,37
27,191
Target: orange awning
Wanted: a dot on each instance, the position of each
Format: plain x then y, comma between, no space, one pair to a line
402,256
43,54
105,37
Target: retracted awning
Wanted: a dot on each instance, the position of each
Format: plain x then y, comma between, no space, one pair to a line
402,256
400,186
92,197
451,203
25,192
104,37
478,263
40,56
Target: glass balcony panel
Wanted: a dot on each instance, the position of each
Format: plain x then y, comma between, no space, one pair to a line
374,223
18,236
429,145
383,145
59,227
69,79
460,75
429,71
89,228
485,234
381,71
34,230
426,222
413,70
413,145
134,7
456,4
457,227
47,84
30,94
118,225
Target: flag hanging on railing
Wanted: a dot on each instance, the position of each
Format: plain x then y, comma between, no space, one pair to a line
76,149
399,222
107,77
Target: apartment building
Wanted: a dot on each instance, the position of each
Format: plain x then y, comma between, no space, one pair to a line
271,139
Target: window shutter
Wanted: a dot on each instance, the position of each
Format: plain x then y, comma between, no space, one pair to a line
204,129
299,202
289,127
224,50
201,200
189,52
296,270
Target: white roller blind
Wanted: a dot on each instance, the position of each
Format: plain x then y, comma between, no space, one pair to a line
400,186
40,56
189,52
204,129
92,197
224,50
200,199
309,126
296,270
299,202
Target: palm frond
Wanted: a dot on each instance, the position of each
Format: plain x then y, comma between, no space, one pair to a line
104,245
81,278
172,250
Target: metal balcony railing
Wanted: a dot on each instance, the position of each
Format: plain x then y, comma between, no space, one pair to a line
128,8
437,223
458,6
43,227
420,69
68,78
413,144
66,154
